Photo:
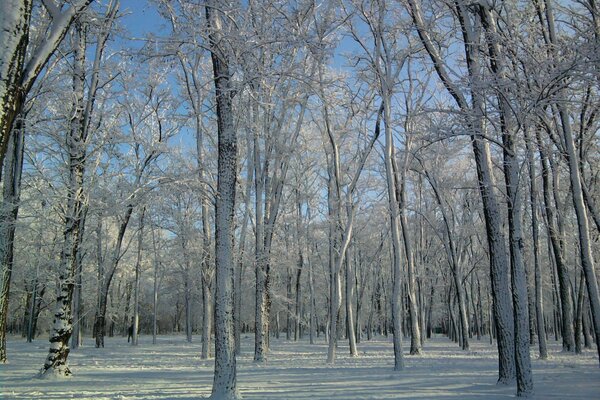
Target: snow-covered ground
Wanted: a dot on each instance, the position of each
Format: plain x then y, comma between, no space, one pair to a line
172,369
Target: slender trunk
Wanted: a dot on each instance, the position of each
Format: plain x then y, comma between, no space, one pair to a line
106,279
415,337
394,222
313,309
585,249
579,315
155,288
136,296
299,266
539,299
349,311
242,248
563,282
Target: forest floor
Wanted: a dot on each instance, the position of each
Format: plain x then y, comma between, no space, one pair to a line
172,369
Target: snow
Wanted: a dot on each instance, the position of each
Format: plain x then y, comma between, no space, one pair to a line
172,369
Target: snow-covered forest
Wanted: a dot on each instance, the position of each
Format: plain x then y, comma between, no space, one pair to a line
374,194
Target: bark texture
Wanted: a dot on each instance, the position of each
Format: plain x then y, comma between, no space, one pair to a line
224,383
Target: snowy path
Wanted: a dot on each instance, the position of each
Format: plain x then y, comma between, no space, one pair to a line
173,370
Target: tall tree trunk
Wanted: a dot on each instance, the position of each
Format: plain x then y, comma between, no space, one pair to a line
56,361
539,299
155,287
587,259
394,226
207,265
313,309
400,177
77,336
563,283
136,295
9,211
511,169
224,383
474,117
349,310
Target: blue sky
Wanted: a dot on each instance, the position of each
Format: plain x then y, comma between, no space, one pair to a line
140,17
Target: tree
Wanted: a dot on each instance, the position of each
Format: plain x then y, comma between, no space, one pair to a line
21,64
18,74
224,383
474,122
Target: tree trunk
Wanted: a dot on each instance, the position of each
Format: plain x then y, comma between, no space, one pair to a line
56,361
9,211
155,287
563,282
224,383
77,337
511,167
474,118
349,310
539,299
136,295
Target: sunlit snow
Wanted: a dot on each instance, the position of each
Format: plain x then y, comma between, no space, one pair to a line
172,369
